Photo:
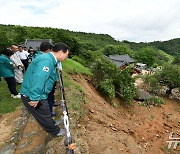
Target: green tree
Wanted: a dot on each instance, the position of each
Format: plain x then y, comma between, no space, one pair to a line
20,34
107,88
153,83
89,56
170,76
116,49
89,46
145,55
176,60
72,42
124,84
107,78
4,40
103,69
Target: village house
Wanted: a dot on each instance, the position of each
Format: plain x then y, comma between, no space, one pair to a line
35,43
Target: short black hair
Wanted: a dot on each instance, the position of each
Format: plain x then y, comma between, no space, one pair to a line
45,46
60,46
20,46
7,52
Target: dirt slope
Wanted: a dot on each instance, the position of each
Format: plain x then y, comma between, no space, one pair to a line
135,129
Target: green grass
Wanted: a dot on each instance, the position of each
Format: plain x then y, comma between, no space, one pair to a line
7,104
74,93
72,67
75,96
170,57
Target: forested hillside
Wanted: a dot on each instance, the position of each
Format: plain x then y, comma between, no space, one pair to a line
17,34
171,47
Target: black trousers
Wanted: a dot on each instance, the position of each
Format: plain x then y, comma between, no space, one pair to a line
11,85
51,98
42,114
25,63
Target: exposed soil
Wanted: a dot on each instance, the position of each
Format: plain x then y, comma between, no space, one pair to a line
127,129
7,126
106,129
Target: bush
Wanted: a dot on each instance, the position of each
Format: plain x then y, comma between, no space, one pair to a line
153,85
124,84
106,75
107,88
116,49
103,69
154,100
89,56
79,60
146,55
170,76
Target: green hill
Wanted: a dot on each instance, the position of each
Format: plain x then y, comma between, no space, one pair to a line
17,34
77,41
171,47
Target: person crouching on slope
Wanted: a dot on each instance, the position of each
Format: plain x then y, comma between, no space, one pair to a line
38,82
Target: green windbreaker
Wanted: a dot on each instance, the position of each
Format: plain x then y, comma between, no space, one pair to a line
6,67
39,77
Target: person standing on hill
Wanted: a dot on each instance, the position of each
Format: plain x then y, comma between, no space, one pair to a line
18,64
30,56
37,84
7,72
45,47
23,56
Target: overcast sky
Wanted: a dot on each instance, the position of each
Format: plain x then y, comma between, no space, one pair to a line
132,20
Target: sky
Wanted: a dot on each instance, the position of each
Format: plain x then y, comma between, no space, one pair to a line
132,20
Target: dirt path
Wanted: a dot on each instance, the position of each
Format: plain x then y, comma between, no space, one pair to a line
133,129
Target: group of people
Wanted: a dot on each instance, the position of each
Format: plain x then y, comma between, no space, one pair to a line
11,69
39,80
14,61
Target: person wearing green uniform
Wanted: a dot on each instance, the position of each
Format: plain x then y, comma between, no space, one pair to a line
37,84
7,72
46,47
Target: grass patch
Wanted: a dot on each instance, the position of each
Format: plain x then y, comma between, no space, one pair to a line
7,104
170,57
153,100
74,95
73,67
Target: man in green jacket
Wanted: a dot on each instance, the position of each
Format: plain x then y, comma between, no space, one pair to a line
7,72
46,47
38,82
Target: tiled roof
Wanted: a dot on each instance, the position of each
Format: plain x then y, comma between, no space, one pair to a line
120,60
124,58
35,44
